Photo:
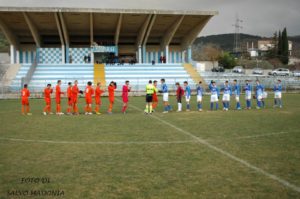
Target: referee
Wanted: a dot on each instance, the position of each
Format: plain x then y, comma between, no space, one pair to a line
149,94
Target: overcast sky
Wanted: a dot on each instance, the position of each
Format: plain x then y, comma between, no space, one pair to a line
260,17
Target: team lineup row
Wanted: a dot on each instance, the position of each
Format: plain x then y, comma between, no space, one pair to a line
152,90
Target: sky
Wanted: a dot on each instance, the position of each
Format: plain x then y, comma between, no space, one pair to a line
260,17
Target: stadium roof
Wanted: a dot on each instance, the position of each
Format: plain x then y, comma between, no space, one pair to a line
82,26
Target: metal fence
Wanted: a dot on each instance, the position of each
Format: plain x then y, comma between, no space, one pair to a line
290,84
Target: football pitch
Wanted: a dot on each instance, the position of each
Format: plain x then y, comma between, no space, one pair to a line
235,154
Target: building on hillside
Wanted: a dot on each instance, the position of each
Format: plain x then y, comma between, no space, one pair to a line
266,45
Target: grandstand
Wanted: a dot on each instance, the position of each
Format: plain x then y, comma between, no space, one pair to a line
100,44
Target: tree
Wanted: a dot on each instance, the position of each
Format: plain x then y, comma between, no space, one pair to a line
279,46
285,48
212,53
227,61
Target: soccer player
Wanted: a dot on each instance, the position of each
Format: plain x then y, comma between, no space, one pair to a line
98,93
75,91
154,96
89,91
248,89
164,91
200,92
111,95
126,88
149,97
278,94
47,94
58,94
259,94
25,102
214,98
179,94
187,92
236,92
70,100
226,96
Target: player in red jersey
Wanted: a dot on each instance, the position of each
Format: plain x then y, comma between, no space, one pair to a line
89,91
58,94
111,95
25,102
47,94
126,88
154,96
98,93
69,96
75,92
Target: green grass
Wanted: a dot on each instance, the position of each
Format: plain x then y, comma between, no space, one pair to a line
137,156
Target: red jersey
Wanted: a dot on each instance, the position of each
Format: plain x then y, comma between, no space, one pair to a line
125,91
69,92
75,91
179,92
47,93
58,92
89,91
25,93
98,92
111,92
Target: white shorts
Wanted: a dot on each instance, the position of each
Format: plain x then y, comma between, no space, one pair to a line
265,95
199,98
165,97
214,98
259,97
226,97
248,96
277,95
187,98
237,98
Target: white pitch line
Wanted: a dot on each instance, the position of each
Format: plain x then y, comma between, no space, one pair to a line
260,135
225,153
100,142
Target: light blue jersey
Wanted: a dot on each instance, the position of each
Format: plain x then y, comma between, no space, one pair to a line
200,91
188,91
277,88
259,89
236,90
248,89
164,88
214,90
227,89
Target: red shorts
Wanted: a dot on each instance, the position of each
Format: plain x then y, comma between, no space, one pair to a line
125,99
25,101
48,101
88,100
155,98
70,101
57,100
98,101
74,99
111,100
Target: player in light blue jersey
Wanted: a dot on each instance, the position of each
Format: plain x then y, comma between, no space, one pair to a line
236,92
187,93
248,90
226,96
214,98
259,94
200,92
165,93
278,94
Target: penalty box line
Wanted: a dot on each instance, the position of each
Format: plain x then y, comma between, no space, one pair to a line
225,153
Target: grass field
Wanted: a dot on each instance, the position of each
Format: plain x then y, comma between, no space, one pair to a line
234,154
